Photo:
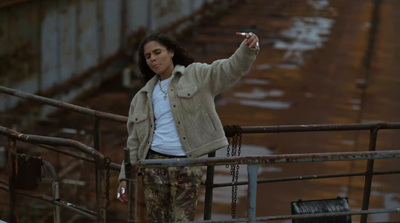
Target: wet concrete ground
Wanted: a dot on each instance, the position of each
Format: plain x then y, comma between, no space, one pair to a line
309,71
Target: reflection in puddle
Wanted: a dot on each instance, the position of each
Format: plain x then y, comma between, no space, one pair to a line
259,94
223,175
266,104
349,142
264,67
288,66
318,4
306,34
356,104
390,201
256,81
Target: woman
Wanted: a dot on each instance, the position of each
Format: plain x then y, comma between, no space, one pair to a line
174,115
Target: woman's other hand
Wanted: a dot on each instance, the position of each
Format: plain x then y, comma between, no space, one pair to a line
252,40
122,192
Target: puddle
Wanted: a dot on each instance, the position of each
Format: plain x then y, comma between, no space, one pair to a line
318,4
73,131
355,101
356,107
390,201
288,66
264,67
306,34
259,94
348,142
266,104
256,81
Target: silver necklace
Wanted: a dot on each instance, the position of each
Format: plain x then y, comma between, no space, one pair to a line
166,91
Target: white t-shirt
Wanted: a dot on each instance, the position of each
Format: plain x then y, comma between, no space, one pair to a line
166,139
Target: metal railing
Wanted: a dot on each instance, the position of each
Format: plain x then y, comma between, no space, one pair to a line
253,164
101,166
373,128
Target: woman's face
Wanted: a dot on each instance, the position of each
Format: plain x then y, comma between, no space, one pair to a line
159,59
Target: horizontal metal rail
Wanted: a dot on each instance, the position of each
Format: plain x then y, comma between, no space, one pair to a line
113,166
64,105
100,161
245,129
300,178
290,158
51,141
319,127
82,211
287,158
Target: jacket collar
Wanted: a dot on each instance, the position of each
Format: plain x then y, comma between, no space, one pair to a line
178,69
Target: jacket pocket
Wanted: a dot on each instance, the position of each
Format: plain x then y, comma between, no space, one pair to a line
141,125
139,118
187,92
189,98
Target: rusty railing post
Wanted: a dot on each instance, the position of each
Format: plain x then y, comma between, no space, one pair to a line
12,170
97,134
208,197
101,189
96,145
56,191
252,171
132,187
369,174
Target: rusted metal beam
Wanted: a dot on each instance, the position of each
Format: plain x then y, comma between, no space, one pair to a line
208,197
311,177
12,171
319,127
245,129
368,177
288,158
101,195
51,141
56,191
84,212
132,187
63,105
113,166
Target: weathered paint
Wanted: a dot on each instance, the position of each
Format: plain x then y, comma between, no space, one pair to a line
67,41
19,48
57,40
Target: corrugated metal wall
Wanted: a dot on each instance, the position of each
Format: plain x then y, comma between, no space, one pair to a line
47,42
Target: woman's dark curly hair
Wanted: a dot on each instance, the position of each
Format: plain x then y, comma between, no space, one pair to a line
181,56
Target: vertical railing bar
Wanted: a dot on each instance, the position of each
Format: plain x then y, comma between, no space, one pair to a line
96,142
252,171
208,197
96,133
369,174
131,175
101,191
12,168
56,191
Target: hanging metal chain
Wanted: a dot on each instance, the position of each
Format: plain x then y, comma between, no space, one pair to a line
227,152
234,149
108,162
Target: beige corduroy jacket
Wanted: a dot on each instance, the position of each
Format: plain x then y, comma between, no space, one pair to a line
191,92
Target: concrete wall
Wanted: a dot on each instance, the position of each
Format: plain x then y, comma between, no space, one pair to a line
47,42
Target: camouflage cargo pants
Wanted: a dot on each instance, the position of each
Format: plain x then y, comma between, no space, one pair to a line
171,192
